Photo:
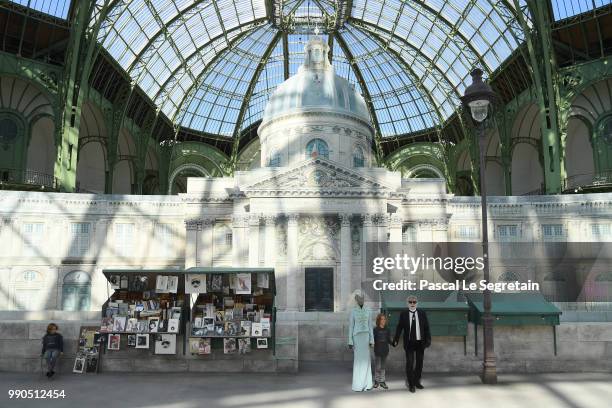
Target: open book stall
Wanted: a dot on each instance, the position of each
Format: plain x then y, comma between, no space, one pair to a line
146,308
232,310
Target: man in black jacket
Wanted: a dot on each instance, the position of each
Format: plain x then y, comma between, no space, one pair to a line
417,338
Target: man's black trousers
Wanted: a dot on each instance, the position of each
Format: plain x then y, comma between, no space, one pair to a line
414,363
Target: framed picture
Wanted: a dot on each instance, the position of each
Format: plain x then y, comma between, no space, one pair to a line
114,340
243,284
161,284
131,341
153,324
99,339
165,344
92,364
172,284
262,343
263,281
107,324
87,335
204,346
195,283
245,328
79,365
244,345
231,329
119,323
131,325
142,341
194,345
229,345
142,326
115,281
256,329
216,283
173,325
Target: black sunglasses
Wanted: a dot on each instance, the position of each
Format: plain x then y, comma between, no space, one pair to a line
412,302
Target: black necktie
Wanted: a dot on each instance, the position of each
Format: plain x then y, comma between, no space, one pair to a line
412,336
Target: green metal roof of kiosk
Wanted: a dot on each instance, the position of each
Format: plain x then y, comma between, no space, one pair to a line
447,310
515,309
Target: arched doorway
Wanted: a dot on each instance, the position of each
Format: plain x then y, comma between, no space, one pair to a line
76,291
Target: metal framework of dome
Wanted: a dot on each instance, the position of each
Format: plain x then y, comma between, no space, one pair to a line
211,65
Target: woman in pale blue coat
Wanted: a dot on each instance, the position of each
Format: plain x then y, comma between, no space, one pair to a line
360,339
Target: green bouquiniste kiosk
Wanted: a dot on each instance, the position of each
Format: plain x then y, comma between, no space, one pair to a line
148,277
450,311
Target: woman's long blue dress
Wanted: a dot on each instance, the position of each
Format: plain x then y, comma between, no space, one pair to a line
360,336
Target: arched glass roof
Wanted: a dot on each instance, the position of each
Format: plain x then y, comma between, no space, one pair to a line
211,65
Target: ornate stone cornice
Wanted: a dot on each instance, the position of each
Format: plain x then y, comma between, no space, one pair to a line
367,220
240,221
254,220
395,220
292,219
193,224
270,219
329,115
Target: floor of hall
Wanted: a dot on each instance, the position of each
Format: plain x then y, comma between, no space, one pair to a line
314,387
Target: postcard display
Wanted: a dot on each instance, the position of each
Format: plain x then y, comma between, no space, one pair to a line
231,313
145,311
88,350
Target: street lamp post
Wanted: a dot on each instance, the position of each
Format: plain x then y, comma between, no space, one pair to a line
478,98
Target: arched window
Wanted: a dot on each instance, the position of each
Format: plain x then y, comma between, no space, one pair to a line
317,148
275,160
30,276
8,130
358,159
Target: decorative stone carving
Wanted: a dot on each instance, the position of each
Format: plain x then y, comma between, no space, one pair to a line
192,225
367,220
254,220
281,237
355,239
318,237
345,220
320,175
269,219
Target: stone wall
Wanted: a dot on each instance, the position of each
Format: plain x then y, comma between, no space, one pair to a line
580,347
20,347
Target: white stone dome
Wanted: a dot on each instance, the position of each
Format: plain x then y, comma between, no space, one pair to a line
315,87
316,113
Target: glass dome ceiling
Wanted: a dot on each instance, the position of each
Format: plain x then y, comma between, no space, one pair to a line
211,65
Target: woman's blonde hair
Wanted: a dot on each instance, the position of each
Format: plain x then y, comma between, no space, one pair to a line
50,326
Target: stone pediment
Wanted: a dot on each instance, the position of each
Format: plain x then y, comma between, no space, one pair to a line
318,176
